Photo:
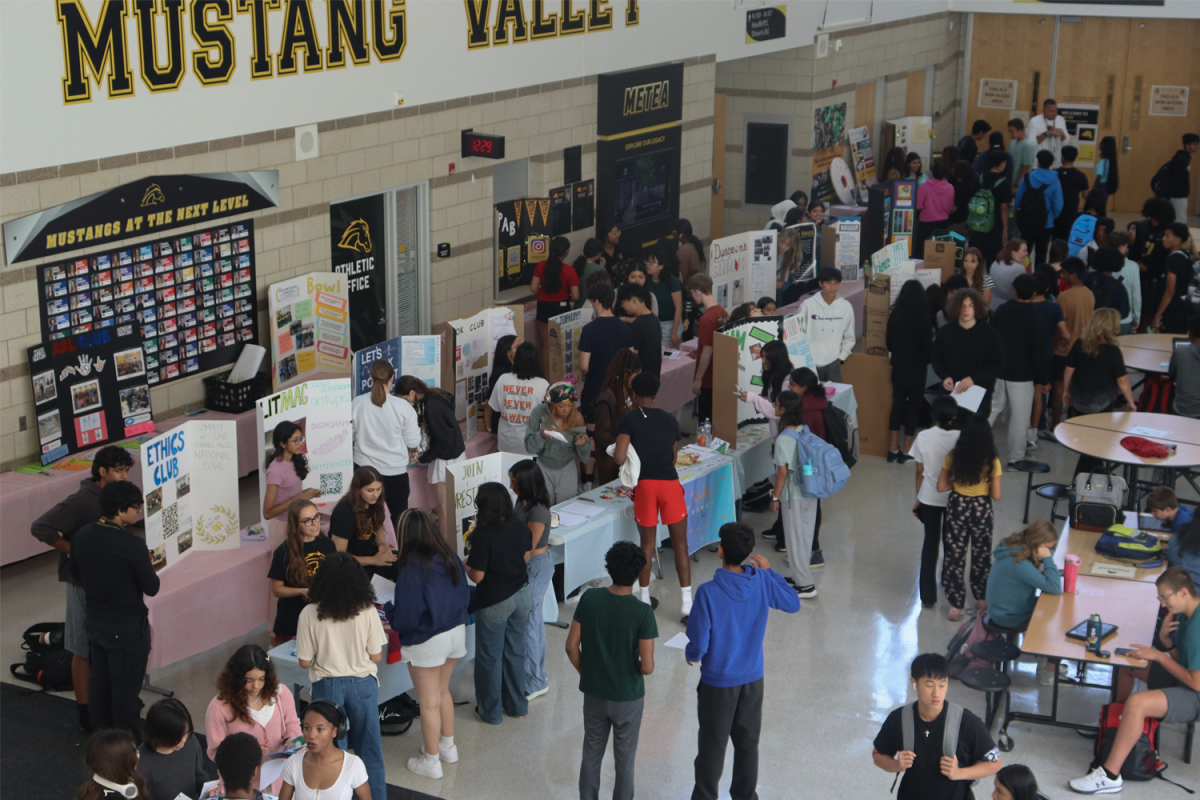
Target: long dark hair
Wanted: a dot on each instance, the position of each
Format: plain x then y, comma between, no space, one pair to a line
974,456
500,362
296,574
552,273
683,229
894,161
1189,537
527,362
807,380
912,301
279,438
1108,149
1019,781
624,363
793,409
112,754
493,504
231,683
367,519
776,366
420,539
341,588
531,483
591,249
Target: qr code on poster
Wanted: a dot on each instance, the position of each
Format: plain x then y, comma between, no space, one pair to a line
170,520
331,483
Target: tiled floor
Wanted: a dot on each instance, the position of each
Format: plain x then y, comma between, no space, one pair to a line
834,671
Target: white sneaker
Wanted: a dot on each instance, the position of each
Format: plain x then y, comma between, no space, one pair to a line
538,693
1096,782
420,766
447,754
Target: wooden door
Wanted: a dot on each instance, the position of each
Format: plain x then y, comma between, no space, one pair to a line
1090,70
914,94
1010,47
1161,52
716,214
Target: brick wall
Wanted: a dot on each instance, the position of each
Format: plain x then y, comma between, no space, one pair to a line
359,155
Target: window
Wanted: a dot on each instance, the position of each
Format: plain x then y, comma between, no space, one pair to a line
766,163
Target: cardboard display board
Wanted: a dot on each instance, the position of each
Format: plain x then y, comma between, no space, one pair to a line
468,345
563,333
89,389
799,352
941,256
742,267
463,478
189,299
322,410
741,374
418,356
190,486
871,377
309,318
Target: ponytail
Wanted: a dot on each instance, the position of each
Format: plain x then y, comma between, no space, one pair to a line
381,373
552,274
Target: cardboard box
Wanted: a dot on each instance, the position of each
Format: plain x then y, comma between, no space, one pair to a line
876,305
941,256
871,377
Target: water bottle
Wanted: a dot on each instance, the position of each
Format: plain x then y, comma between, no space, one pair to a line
1070,573
807,469
702,435
1094,628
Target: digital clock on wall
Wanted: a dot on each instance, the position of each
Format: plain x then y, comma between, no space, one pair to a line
482,145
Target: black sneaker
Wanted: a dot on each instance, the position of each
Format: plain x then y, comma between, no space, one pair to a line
780,546
893,457
769,534
806,592
816,561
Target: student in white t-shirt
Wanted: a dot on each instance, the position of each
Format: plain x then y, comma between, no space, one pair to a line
386,434
322,770
515,396
1049,130
929,450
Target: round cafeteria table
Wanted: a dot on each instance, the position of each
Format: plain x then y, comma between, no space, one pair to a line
1099,436
1162,342
1148,353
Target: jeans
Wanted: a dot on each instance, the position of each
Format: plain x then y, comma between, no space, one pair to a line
359,698
733,712
500,658
118,662
830,372
1018,396
540,570
625,721
667,328
799,522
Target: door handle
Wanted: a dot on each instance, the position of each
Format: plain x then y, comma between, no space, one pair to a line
1125,148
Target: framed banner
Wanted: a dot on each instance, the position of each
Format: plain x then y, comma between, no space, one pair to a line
309,319
89,389
357,247
189,300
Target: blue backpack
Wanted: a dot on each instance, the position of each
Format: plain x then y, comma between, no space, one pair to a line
830,472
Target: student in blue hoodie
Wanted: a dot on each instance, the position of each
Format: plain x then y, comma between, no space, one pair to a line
1022,564
1045,179
725,634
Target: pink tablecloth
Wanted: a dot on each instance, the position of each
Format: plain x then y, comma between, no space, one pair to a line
207,600
675,380
24,498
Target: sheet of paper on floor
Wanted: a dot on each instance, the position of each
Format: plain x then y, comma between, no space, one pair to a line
678,641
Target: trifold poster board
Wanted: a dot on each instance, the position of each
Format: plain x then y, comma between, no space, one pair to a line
563,332
190,486
418,356
309,318
322,411
89,389
468,346
737,367
742,267
871,377
463,478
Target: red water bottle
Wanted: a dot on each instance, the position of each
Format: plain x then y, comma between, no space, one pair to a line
1070,573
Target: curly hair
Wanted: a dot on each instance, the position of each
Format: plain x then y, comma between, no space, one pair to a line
974,456
341,588
231,683
624,562
954,304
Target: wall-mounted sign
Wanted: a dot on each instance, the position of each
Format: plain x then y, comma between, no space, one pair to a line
642,98
997,93
357,248
141,208
764,24
1169,101
583,208
560,211
443,250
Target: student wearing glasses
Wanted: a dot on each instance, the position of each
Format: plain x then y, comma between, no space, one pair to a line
286,469
295,562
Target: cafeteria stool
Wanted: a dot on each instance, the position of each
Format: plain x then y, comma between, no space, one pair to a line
1010,634
1000,653
991,682
1054,492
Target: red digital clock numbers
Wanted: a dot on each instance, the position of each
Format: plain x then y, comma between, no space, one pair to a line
482,145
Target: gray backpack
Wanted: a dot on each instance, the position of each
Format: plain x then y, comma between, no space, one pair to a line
908,734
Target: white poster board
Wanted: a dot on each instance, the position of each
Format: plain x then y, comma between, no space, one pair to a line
889,256
751,335
463,478
847,248
190,487
418,356
475,340
797,344
742,267
309,319
322,410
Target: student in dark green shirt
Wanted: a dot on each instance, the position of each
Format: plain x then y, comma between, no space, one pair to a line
611,645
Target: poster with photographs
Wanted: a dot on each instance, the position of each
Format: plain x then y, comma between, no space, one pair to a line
189,481
742,267
473,343
309,318
189,299
89,389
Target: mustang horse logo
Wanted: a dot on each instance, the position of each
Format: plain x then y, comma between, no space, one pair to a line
357,237
153,196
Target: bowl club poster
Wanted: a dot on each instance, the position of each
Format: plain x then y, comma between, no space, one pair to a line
309,317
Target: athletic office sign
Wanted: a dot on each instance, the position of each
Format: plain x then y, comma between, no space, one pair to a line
146,206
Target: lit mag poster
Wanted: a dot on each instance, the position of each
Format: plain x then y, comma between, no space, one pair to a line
743,267
321,409
418,356
309,317
563,331
89,389
190,486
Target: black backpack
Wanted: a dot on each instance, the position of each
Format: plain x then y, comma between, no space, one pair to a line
1032,216
47,663
396,716
1161,180
839,434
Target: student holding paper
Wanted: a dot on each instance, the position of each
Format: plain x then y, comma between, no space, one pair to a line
556,434
968,352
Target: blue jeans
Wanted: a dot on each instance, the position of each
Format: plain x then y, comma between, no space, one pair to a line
541,570
359,698
500,658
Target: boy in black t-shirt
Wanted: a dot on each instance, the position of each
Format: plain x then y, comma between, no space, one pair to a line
635,301
1172,313
1074,185
929,774
990,242
654,436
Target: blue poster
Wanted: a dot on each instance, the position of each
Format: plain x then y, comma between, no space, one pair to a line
365,358
710,504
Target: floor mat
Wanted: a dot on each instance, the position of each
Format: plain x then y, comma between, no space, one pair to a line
41,748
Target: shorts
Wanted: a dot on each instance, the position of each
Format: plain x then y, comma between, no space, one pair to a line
652,499
551,308
1183,705
1058,367
437,469
435,652
75,638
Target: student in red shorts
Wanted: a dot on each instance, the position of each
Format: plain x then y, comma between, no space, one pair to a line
654,436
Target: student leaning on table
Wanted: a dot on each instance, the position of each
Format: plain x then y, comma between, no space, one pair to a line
286,468
1173,678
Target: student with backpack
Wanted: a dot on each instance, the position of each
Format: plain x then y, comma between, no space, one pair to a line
1039,202
987,210
1148,251
929,450
973,471
940,746
1082,234
1172,313
1173,180
799,511
1131,277
1173,681
1108,291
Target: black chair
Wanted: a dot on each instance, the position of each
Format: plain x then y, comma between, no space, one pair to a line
1010,634
999,653
1051,491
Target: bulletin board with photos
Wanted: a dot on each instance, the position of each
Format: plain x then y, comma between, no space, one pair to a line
188,299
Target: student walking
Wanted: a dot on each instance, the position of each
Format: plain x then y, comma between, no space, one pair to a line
909,340
1022,566
973,471
1026,368
1177,186
113,567
828,321
1039,201
725,635
557,436
532,507
987,220
929,451
1107,176
713,317
294,564
968,352
1074,185
514,398
1095,375
799,512
611,646
386,434
1172,313
340,640
1077,304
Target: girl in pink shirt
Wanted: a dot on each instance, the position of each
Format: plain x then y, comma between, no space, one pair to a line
935,204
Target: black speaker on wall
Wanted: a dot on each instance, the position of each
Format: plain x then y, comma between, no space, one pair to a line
573,164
